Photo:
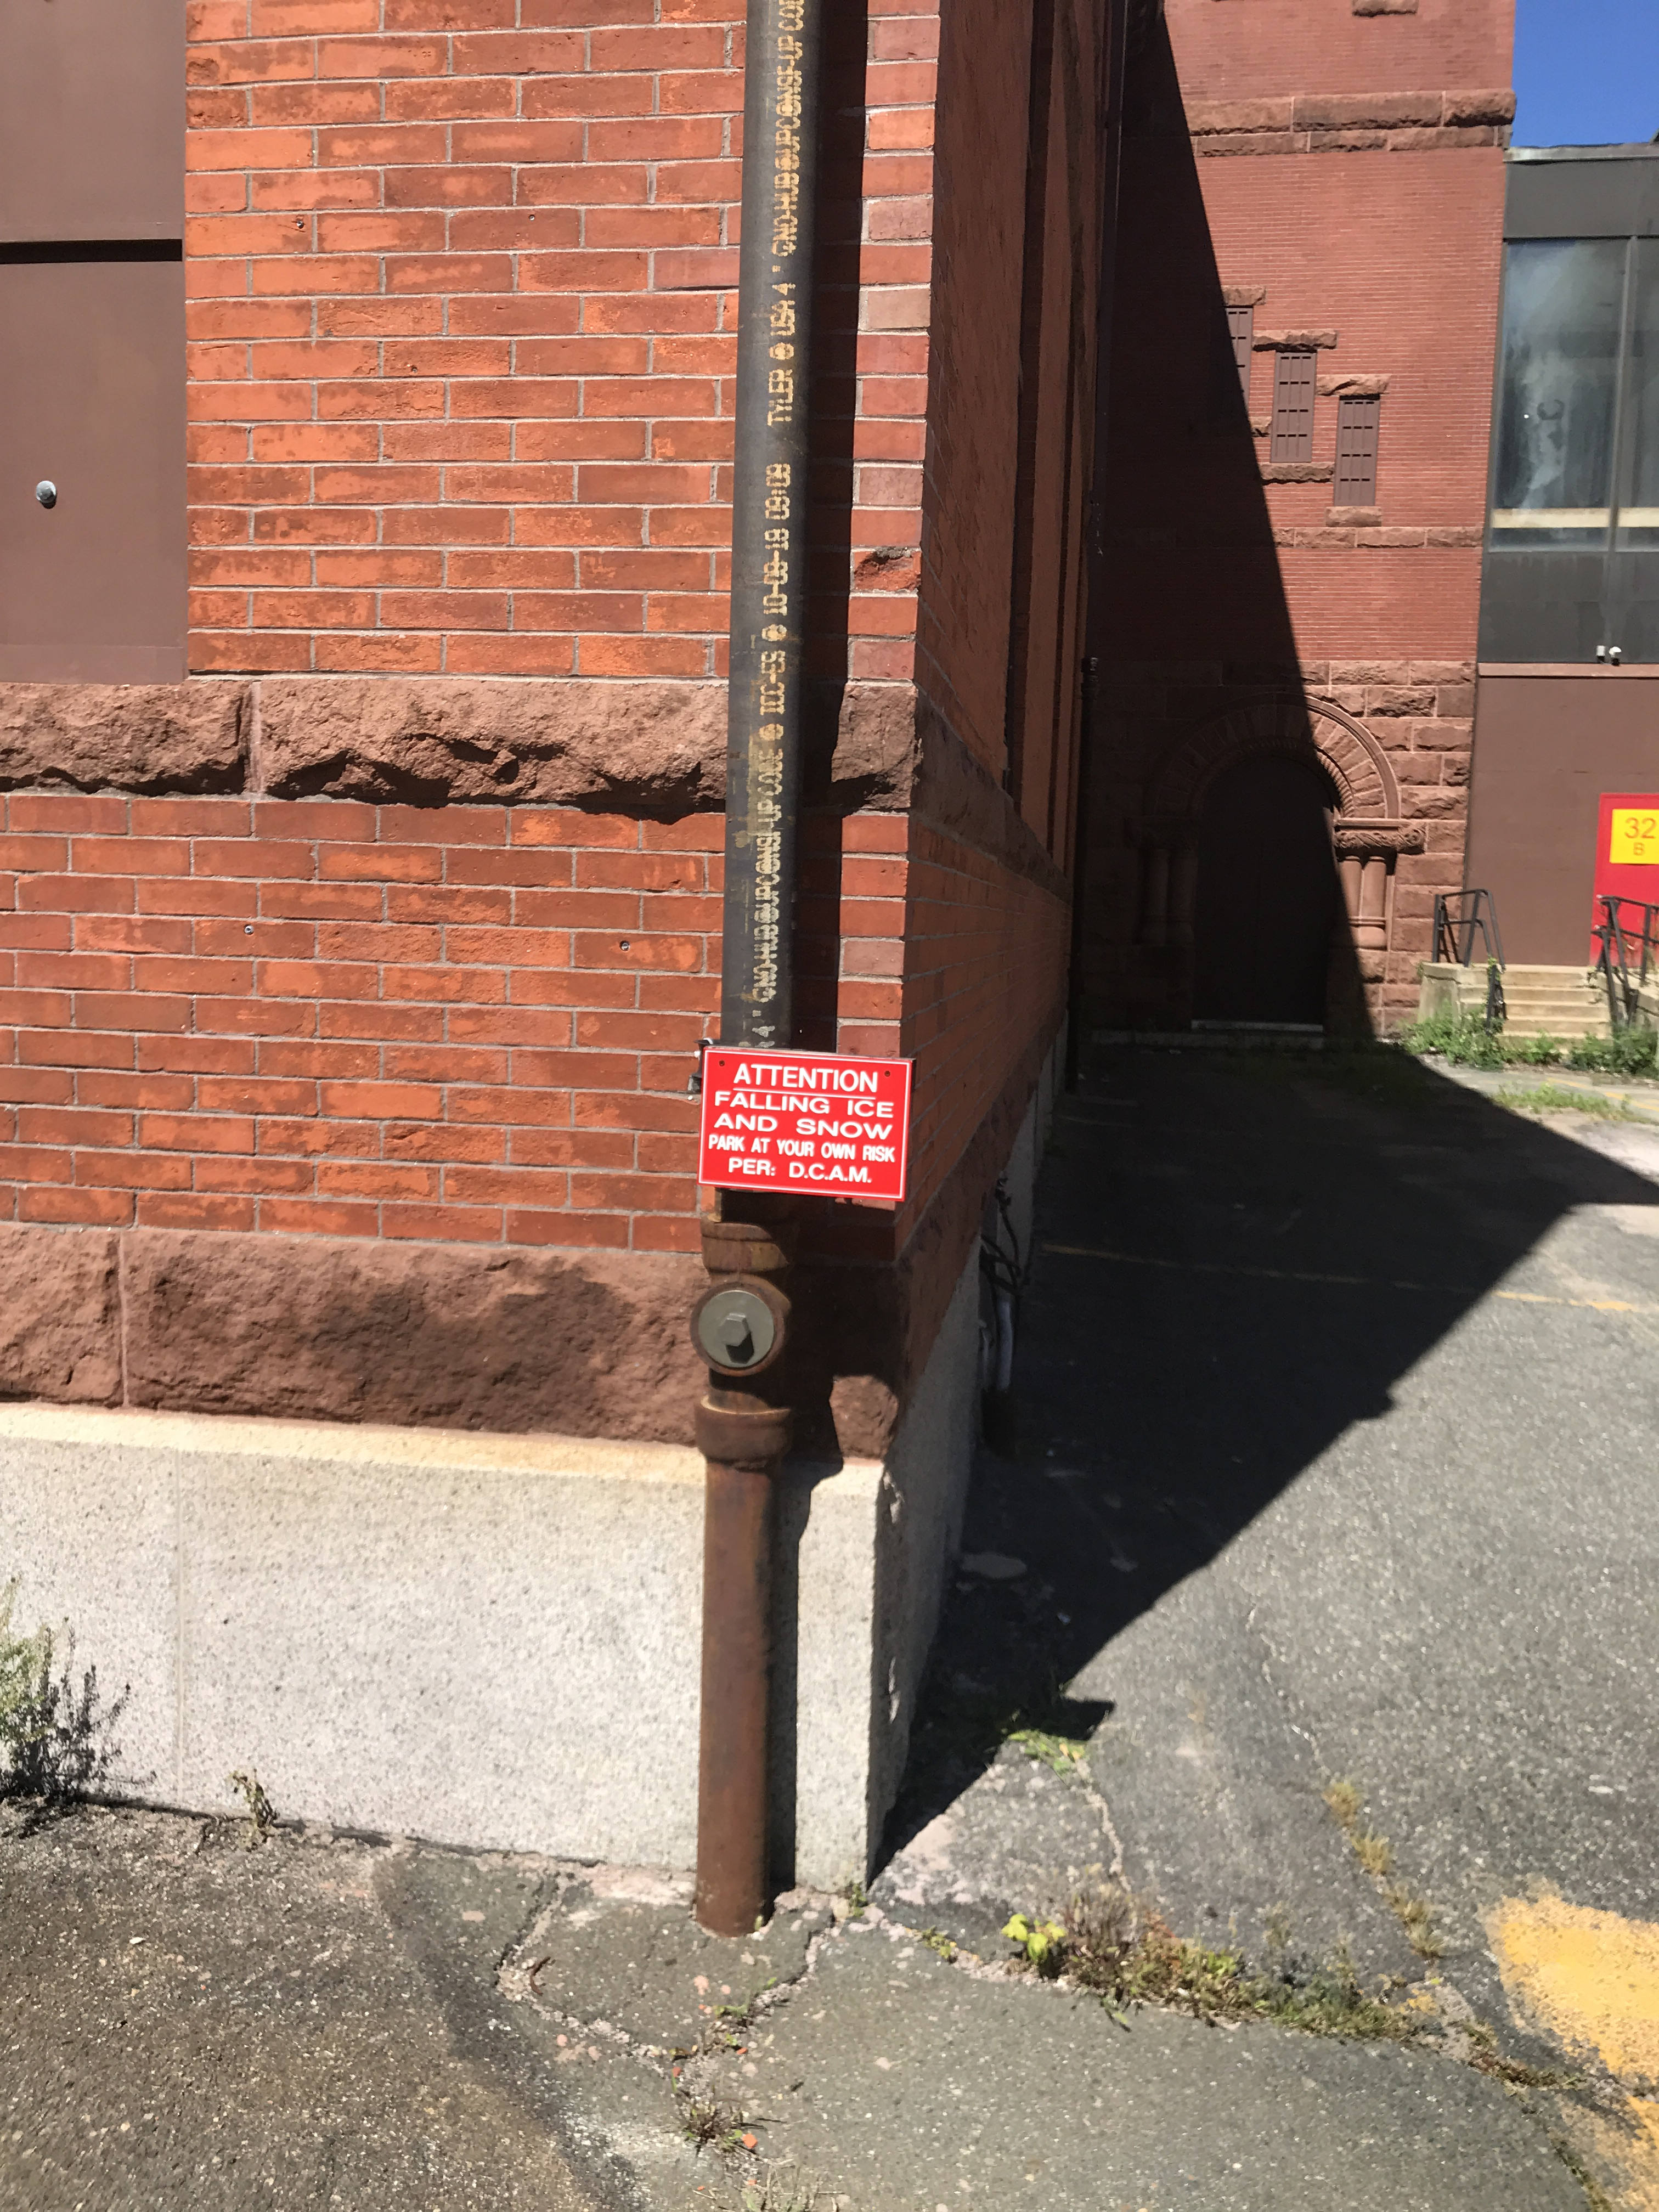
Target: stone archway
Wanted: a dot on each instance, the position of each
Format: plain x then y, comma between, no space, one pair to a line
1367,830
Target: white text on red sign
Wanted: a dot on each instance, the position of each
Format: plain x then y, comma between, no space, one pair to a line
826,1121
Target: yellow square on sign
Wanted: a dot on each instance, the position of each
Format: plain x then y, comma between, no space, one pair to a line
1635,840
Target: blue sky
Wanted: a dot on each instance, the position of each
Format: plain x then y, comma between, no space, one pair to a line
1586,72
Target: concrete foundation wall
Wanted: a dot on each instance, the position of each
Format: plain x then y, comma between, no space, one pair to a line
485,1639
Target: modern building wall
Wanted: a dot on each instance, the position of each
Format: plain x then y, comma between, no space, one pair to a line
1548,741
1332,181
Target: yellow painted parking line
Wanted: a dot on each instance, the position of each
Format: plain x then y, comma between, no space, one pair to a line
1589,1979
1344,1282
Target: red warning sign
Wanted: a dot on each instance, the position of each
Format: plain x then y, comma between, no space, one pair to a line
825,1121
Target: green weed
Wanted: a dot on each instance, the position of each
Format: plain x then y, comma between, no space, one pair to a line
1043,1943
1128,1957
1626,1052
1061,1754
261,1813
1558,1098
1375,1853
54,1735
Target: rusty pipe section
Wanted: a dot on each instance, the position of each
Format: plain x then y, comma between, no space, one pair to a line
743,1431
741,1324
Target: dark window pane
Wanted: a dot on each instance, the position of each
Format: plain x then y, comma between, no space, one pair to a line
1639,510
1563,302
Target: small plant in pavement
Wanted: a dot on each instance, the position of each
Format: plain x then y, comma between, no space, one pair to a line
1043,1943
54,1737
261,1813
1375,1853
1128,1957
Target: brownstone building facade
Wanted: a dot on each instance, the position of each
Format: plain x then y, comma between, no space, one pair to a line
1307,268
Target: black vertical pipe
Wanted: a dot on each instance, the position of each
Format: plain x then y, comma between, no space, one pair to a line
769,520
743,1433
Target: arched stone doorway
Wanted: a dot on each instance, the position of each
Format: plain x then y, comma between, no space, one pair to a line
1366,834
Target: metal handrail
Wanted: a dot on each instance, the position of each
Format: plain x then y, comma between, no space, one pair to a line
1613,960
1453,933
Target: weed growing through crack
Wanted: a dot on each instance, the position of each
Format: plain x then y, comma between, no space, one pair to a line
1043,1943
938,1940
709,2123
1375,1853
261,1813
1061,1754
55,1736
1486,2059
856,1900
1595,2196
1343,1800
1128,1957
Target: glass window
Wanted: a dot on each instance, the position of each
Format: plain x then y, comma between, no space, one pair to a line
1563,306
1638,511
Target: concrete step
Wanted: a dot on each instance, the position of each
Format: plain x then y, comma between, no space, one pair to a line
1538,1000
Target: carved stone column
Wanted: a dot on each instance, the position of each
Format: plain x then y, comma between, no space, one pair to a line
1371,929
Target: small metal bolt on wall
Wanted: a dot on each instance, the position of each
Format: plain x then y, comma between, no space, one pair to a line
741,1326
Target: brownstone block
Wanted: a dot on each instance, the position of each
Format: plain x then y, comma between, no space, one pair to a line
1368,110
1494,104
126,737
1348,142
1205,116
60,1317
1251,141
348,1329
1441,672
1399,700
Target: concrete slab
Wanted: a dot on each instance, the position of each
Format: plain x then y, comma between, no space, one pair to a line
191,2023
900,2082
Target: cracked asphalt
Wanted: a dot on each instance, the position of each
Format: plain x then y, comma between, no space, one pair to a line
1331,1463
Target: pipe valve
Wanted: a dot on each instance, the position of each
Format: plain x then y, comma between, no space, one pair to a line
739,1325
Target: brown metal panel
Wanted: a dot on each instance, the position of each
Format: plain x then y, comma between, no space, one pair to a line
1357,424
1293,403
1546,747
1240,329
92,119
92,399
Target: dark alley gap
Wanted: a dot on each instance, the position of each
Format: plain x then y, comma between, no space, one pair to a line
1292,1235
1203,710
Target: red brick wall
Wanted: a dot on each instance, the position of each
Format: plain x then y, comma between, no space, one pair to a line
463,332
467,1022
973,415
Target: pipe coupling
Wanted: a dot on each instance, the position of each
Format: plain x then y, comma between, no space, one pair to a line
742,1435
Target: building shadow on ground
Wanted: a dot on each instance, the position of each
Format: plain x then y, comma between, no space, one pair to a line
1237,1257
